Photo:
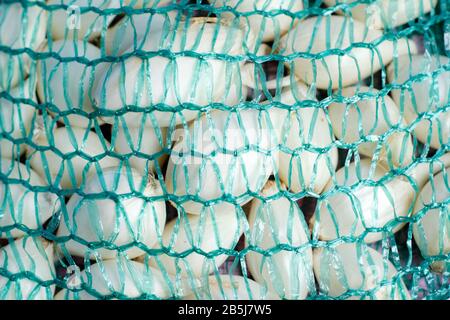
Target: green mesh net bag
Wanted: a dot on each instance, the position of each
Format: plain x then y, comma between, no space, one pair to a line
157,149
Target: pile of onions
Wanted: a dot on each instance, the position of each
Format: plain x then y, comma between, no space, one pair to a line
155,149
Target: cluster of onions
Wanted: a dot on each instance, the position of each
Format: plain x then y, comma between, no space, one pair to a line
128,119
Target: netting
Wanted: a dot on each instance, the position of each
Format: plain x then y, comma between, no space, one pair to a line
157,149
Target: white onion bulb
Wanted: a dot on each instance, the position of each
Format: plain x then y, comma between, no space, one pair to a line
302,170
351,213
314,36
71,23
376,115
208,232
20,201
148,141
355,266
429,94
432,231
139,31
67,84
128,217
31,255
117,279
16,118
266,27
291,92
216,156
276,222
20,27
169,83
61,164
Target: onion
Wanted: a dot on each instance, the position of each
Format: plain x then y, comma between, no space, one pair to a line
67,84
268,27
367,205
386,13
428,94
432,231
145,83
75,24
333,70
120,209
142,145
290,92
280,222
117,279
20,27
307,169
69,155
354,266
139,31
208,232
21,202
16,118
216,158
22,258
230,287
367,118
